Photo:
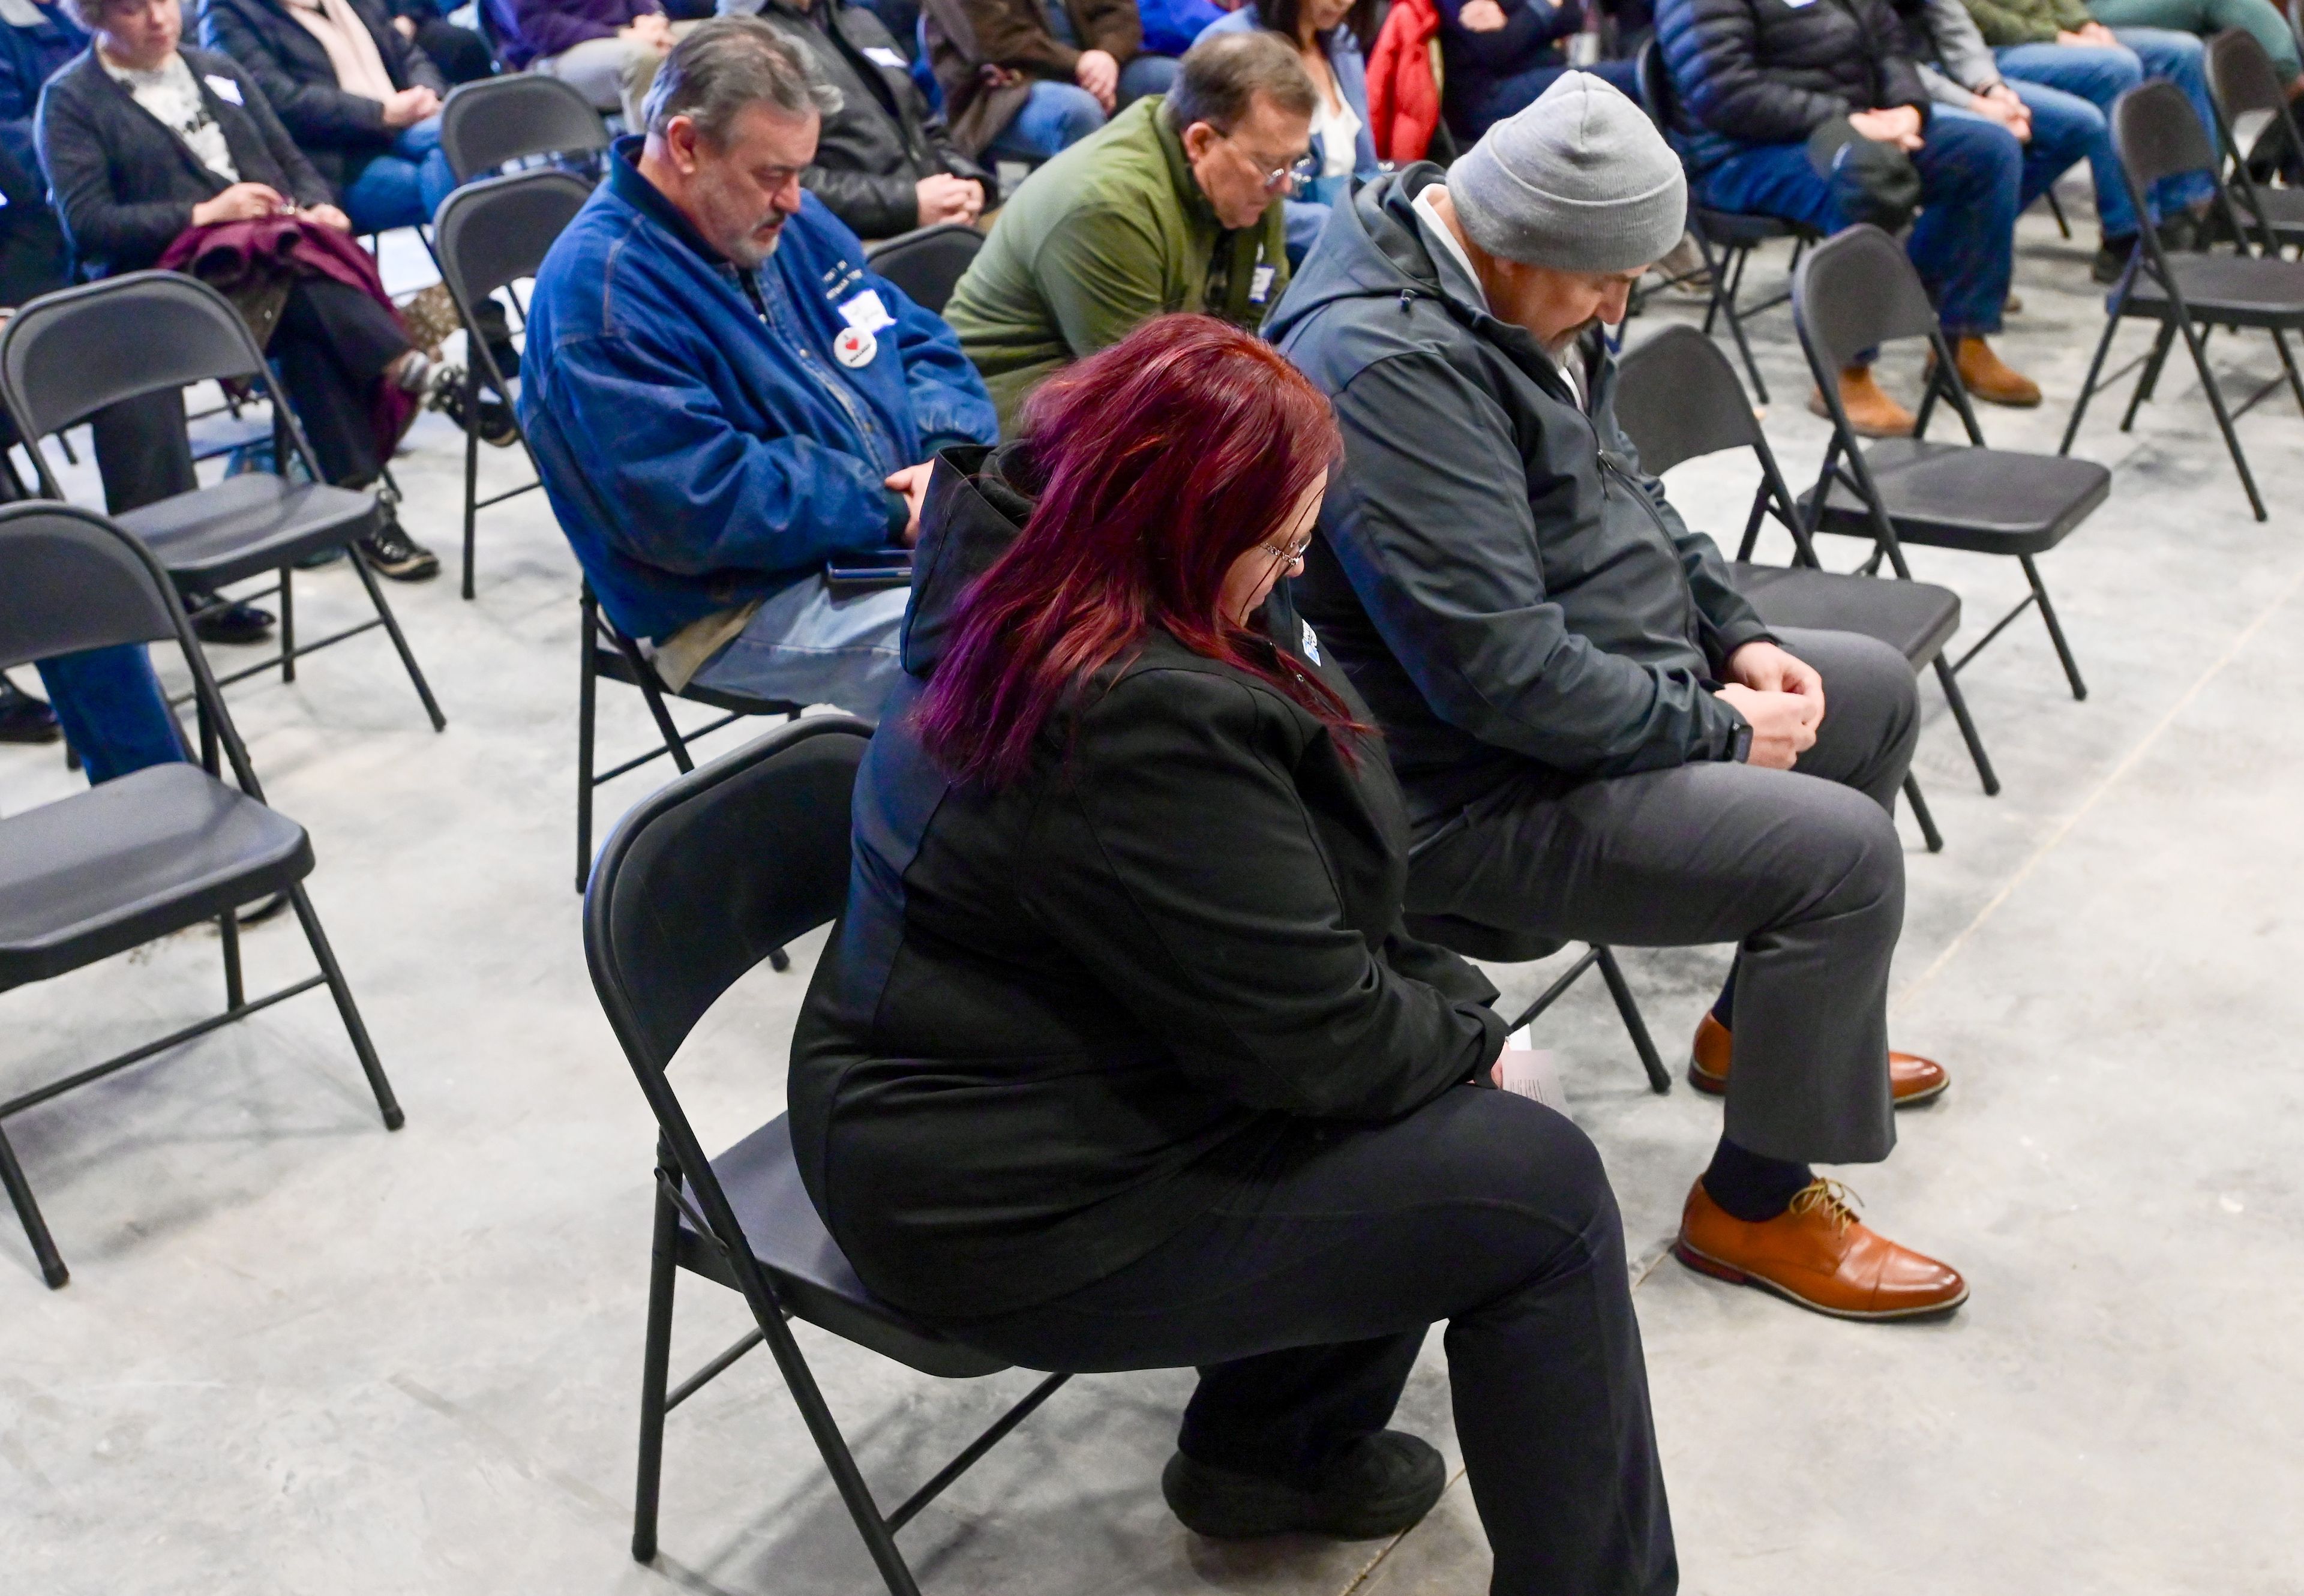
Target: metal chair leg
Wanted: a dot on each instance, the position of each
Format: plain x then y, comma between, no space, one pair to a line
587,694
2145,383
1919,807
2056,210
287,624
1959,704
36,1229
2055,632
2087,388
391,629
656,1363
471,465
341,990
2224,420
1627,1007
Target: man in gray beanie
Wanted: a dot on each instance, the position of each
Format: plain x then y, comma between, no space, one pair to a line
1599,740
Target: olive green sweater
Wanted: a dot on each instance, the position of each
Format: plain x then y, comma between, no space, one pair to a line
2027,21
1108,234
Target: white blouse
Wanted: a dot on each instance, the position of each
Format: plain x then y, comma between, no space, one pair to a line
170,94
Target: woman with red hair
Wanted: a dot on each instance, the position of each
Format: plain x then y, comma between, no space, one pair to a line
1120,1058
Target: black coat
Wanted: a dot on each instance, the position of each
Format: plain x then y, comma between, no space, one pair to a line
1060,1022
1767,71
125,185
1573,624
874,150
341,133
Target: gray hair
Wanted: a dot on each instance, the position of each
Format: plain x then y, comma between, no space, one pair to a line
1223,76
728,64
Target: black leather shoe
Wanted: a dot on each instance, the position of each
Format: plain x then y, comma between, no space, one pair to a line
1378,1486
24,719
241,624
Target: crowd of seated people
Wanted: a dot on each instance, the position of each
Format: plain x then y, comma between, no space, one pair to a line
1287,579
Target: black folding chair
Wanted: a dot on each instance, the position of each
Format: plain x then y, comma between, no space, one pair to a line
2157,135
698,884
609,654
928,263
147,853
1858,291
1496,945
1678,399
489,235
68,354
491,122
2242,82
1726,238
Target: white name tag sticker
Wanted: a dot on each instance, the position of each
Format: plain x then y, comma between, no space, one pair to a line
225,88
1259,283
1311,644
880,56
865,313
1532,1072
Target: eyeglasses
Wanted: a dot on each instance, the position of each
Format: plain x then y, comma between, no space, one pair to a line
1290,556
1288,179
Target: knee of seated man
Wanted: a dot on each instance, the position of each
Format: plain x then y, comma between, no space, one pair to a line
1867,671
1851,845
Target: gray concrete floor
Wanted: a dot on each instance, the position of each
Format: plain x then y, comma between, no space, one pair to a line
300,1355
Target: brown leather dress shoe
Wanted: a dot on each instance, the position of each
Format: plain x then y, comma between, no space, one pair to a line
1871,412
1986,377
1818,1254
1911,1079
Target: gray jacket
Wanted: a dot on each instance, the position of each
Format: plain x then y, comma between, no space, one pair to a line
1942,38
1502,583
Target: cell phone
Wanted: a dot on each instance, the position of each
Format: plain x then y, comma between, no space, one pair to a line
869,568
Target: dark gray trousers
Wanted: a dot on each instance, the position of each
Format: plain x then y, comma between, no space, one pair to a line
1802,869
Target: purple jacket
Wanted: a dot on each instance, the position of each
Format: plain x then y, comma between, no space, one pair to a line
529,30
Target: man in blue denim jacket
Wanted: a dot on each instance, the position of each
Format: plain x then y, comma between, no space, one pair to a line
721,397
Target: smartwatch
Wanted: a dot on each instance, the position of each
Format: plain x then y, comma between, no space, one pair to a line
1740,749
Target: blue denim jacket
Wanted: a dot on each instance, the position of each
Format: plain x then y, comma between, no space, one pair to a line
705,440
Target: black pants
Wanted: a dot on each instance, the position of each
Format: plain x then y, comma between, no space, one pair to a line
143,452
331,343
460,55
1304,1300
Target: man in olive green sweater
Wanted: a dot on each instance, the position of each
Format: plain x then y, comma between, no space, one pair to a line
1173,205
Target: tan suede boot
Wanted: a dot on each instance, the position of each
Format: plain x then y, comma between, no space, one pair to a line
1871,412
1990,378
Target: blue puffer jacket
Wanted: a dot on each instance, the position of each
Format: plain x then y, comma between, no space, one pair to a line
35,40
699,456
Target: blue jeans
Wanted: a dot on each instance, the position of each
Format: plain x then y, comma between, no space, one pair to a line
1053,116
808,647
403,188
1963,245
112,710
2100,75
2066,129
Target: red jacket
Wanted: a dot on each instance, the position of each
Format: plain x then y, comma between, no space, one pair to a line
1403,83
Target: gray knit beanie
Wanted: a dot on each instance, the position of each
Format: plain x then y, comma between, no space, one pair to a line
1580,180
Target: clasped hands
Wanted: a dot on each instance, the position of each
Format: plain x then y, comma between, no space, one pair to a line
1781,696
253,201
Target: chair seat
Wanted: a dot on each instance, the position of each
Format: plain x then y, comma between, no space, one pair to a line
808,1270
610,662
249,524
151,853
1741,230
2283,207
2243,290
1954,495
1474,941
1915,618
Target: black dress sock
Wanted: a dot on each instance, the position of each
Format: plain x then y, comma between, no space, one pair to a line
1751,1187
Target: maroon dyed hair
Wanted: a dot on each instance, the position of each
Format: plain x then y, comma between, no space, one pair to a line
1163,458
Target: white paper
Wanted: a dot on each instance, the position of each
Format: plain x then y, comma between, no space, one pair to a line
1532,1072
225,88
881,55
865,312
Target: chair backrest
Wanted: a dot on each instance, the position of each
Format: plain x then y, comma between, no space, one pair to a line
2241,79
72,353
1855,291
2158,134
496,231
927,264
487,123
704,880
71,580
1655,80
1678,398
